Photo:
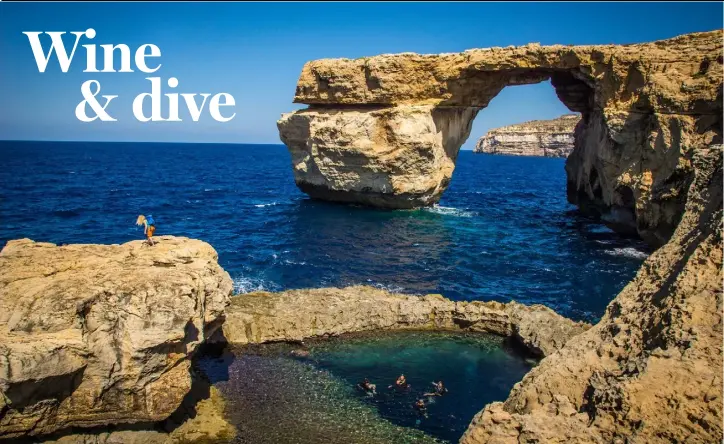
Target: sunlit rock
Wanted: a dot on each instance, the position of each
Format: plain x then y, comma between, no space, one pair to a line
385,130
102,334
540,138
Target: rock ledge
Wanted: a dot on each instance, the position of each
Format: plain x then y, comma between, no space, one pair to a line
297,314
92,335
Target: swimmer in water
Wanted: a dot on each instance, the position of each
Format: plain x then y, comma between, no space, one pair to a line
367,387
420,407
439,389
401,383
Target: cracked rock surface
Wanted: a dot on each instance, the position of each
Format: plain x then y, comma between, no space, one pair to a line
651,370
102,334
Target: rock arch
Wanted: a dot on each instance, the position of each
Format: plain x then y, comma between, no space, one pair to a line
385,130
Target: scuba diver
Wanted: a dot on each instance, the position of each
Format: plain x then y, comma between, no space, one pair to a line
367,387
440,389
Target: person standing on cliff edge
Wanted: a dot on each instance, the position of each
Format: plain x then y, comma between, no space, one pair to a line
149,227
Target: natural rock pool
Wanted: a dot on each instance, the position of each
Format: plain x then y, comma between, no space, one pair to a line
302,393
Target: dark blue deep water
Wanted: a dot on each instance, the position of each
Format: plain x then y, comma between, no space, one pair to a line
502,231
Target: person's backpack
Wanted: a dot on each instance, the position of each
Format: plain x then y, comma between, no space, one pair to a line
149,220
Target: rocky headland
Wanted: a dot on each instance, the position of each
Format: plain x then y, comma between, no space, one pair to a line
386,130
541,138
94,335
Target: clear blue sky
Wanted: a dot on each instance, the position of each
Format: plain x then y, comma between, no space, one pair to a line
255,52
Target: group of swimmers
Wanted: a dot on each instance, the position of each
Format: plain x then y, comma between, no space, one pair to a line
402,384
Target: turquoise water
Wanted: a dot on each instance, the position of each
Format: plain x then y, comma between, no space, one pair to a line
283,393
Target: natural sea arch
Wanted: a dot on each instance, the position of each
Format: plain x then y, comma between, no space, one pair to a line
386,130
380,130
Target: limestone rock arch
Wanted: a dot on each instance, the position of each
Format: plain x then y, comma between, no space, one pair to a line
386,130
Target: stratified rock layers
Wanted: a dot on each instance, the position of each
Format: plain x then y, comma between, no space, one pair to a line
386,130
102,334
390,157
651,370
298,314
541,138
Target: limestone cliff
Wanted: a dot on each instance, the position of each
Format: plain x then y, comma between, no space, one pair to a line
298,314
386,130
651,370
542,138
102,334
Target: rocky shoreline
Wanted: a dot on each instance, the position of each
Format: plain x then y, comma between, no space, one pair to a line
538,138
651,369
100,335
101,338
259,317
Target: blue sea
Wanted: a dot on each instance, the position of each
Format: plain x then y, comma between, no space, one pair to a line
502,231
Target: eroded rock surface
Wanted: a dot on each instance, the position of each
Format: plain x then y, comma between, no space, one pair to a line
386,130
297,314
651,370
102,334
206,425
541,138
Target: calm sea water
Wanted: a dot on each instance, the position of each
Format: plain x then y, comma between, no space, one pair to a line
502,231
277,397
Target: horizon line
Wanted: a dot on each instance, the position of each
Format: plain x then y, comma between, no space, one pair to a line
136,141
165,142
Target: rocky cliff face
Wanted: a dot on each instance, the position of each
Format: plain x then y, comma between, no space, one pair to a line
386,130
102,334
651,370
542,138
298,314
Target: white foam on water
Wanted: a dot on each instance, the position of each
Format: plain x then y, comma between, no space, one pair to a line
288,262
243,284
391,287
628,252
266,205
449,211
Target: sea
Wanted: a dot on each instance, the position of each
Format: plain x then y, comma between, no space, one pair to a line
502,231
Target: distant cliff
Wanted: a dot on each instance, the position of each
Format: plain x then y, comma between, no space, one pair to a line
544,138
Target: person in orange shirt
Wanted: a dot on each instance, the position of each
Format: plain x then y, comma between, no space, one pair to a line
149,227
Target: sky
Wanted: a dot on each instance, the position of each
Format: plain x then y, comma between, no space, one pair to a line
255,52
